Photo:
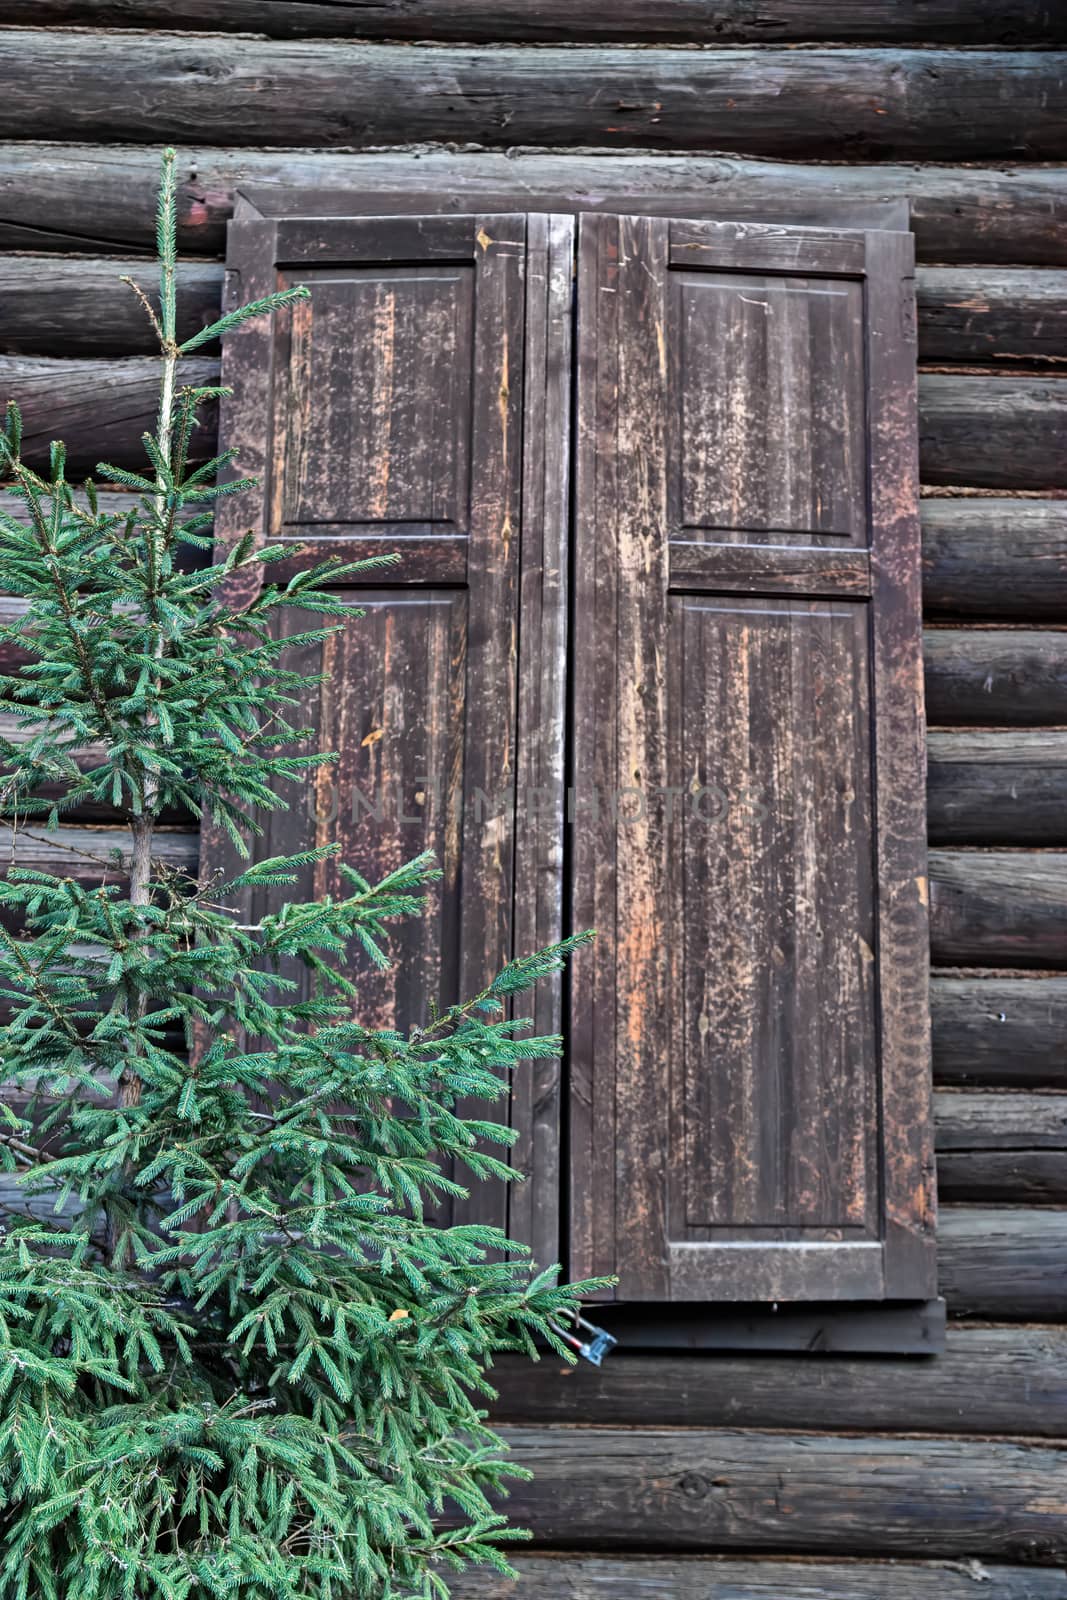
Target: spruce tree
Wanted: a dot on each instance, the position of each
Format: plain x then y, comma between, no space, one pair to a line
237,1359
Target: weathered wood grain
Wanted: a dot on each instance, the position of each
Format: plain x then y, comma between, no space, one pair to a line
979,677
721,1489
94,854
997,788
993,433
102,198
102,407
971,22
972,315
591,1577
985,556
99,408
1000,1032
1003,1262
70,307
1001,1148
986,1381
895,104
998,908
77,307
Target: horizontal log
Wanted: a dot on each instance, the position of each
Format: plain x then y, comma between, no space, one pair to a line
997,788
69,307
1000,1032
592,1577
987,1381
990,557
978,677
99,408
993,433
1003,1262
998,908
977,315
18,731
103,199
1001,1148
75,307
91,855
896,104
807,1494
970,22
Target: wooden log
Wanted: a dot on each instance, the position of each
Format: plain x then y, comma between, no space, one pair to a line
81,308
1000,1032
978,677
806,1494
1003,1262
99,408
968,22
896,104
993,433
74,307
92,855
1001,1148
997,788
987,1381
998,908
592,1577
976,315
991,557
102,199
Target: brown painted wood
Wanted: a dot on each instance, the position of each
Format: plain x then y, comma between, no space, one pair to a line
537,1092
896,104
1004,1262
102,198
704,419
1002,1148
1000,1032
99,408
997,788
981,677
719,1489
998,908
69,307
388,413
986,1381
993,433
969,22
1008,318
592,1577
995,558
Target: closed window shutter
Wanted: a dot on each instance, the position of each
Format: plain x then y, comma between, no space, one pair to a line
750,1081
385,414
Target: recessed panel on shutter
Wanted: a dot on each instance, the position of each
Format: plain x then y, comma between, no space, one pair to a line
386,413
750,1073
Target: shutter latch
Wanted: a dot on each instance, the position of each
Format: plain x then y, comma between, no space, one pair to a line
594,1347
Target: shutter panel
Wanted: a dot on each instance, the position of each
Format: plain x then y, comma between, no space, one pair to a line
387,413
750,1091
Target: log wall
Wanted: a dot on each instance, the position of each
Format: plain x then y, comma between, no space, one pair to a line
729,1476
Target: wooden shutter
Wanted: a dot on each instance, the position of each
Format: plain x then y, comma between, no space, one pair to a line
749,1112
418,402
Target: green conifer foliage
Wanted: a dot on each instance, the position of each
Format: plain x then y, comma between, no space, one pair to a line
236,1358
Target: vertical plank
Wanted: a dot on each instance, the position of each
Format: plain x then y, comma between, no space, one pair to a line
900,768
536,1101
592,1006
